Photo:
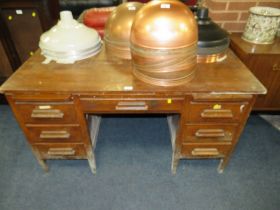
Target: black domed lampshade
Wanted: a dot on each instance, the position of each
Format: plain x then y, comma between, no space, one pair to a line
213,41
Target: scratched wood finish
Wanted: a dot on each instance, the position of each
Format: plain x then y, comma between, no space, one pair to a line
214,106
100,73
66,137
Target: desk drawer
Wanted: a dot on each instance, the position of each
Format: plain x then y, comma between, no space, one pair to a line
61,151
205,150
217,112
132,104
209,133
47,112
54,134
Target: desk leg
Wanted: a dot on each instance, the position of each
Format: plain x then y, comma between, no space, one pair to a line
223,163
174,163
91,160
173,121
94,123
41,162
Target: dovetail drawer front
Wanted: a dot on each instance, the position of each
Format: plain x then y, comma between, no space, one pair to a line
200,133
132,105
61,151
54,133
205,150
47,112
213,112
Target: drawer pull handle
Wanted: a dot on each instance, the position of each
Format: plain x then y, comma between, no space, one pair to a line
205,151
212,133
61,151
125,105
222,113
54,135
47,113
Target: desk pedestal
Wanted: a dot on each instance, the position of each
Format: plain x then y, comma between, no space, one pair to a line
66,126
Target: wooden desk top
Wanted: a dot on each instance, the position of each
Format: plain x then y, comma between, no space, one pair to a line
250,48
103,75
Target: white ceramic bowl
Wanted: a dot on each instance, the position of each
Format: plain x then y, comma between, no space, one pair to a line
69,41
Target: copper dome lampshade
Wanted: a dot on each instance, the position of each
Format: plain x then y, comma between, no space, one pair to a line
164,39
117,29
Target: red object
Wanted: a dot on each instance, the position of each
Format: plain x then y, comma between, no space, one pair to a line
100,31
190,2
96,18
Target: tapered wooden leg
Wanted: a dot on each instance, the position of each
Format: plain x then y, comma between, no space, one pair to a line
173,121
223,163
94,129
91,161
43,165
41,162
174,163
94,123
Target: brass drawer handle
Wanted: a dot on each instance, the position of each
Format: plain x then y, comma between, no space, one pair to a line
212,133
126,105
212,113
47,113
205,151
54,135
61,151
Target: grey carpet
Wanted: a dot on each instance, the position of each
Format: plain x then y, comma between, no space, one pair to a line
133,171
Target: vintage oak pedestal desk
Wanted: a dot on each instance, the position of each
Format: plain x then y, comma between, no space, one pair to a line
53,103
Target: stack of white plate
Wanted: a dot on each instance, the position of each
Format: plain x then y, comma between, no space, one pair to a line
69,41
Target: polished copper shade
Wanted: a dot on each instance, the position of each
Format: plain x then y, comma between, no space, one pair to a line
118,27
164,43
212,58
165,24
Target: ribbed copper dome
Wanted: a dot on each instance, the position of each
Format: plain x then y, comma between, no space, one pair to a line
164,43
118,27
164,24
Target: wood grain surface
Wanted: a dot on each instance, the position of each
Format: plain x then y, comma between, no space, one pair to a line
99,74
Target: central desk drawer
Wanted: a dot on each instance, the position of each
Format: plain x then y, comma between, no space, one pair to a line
54,134
47,112
61,151
209,133
217,112
132,104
